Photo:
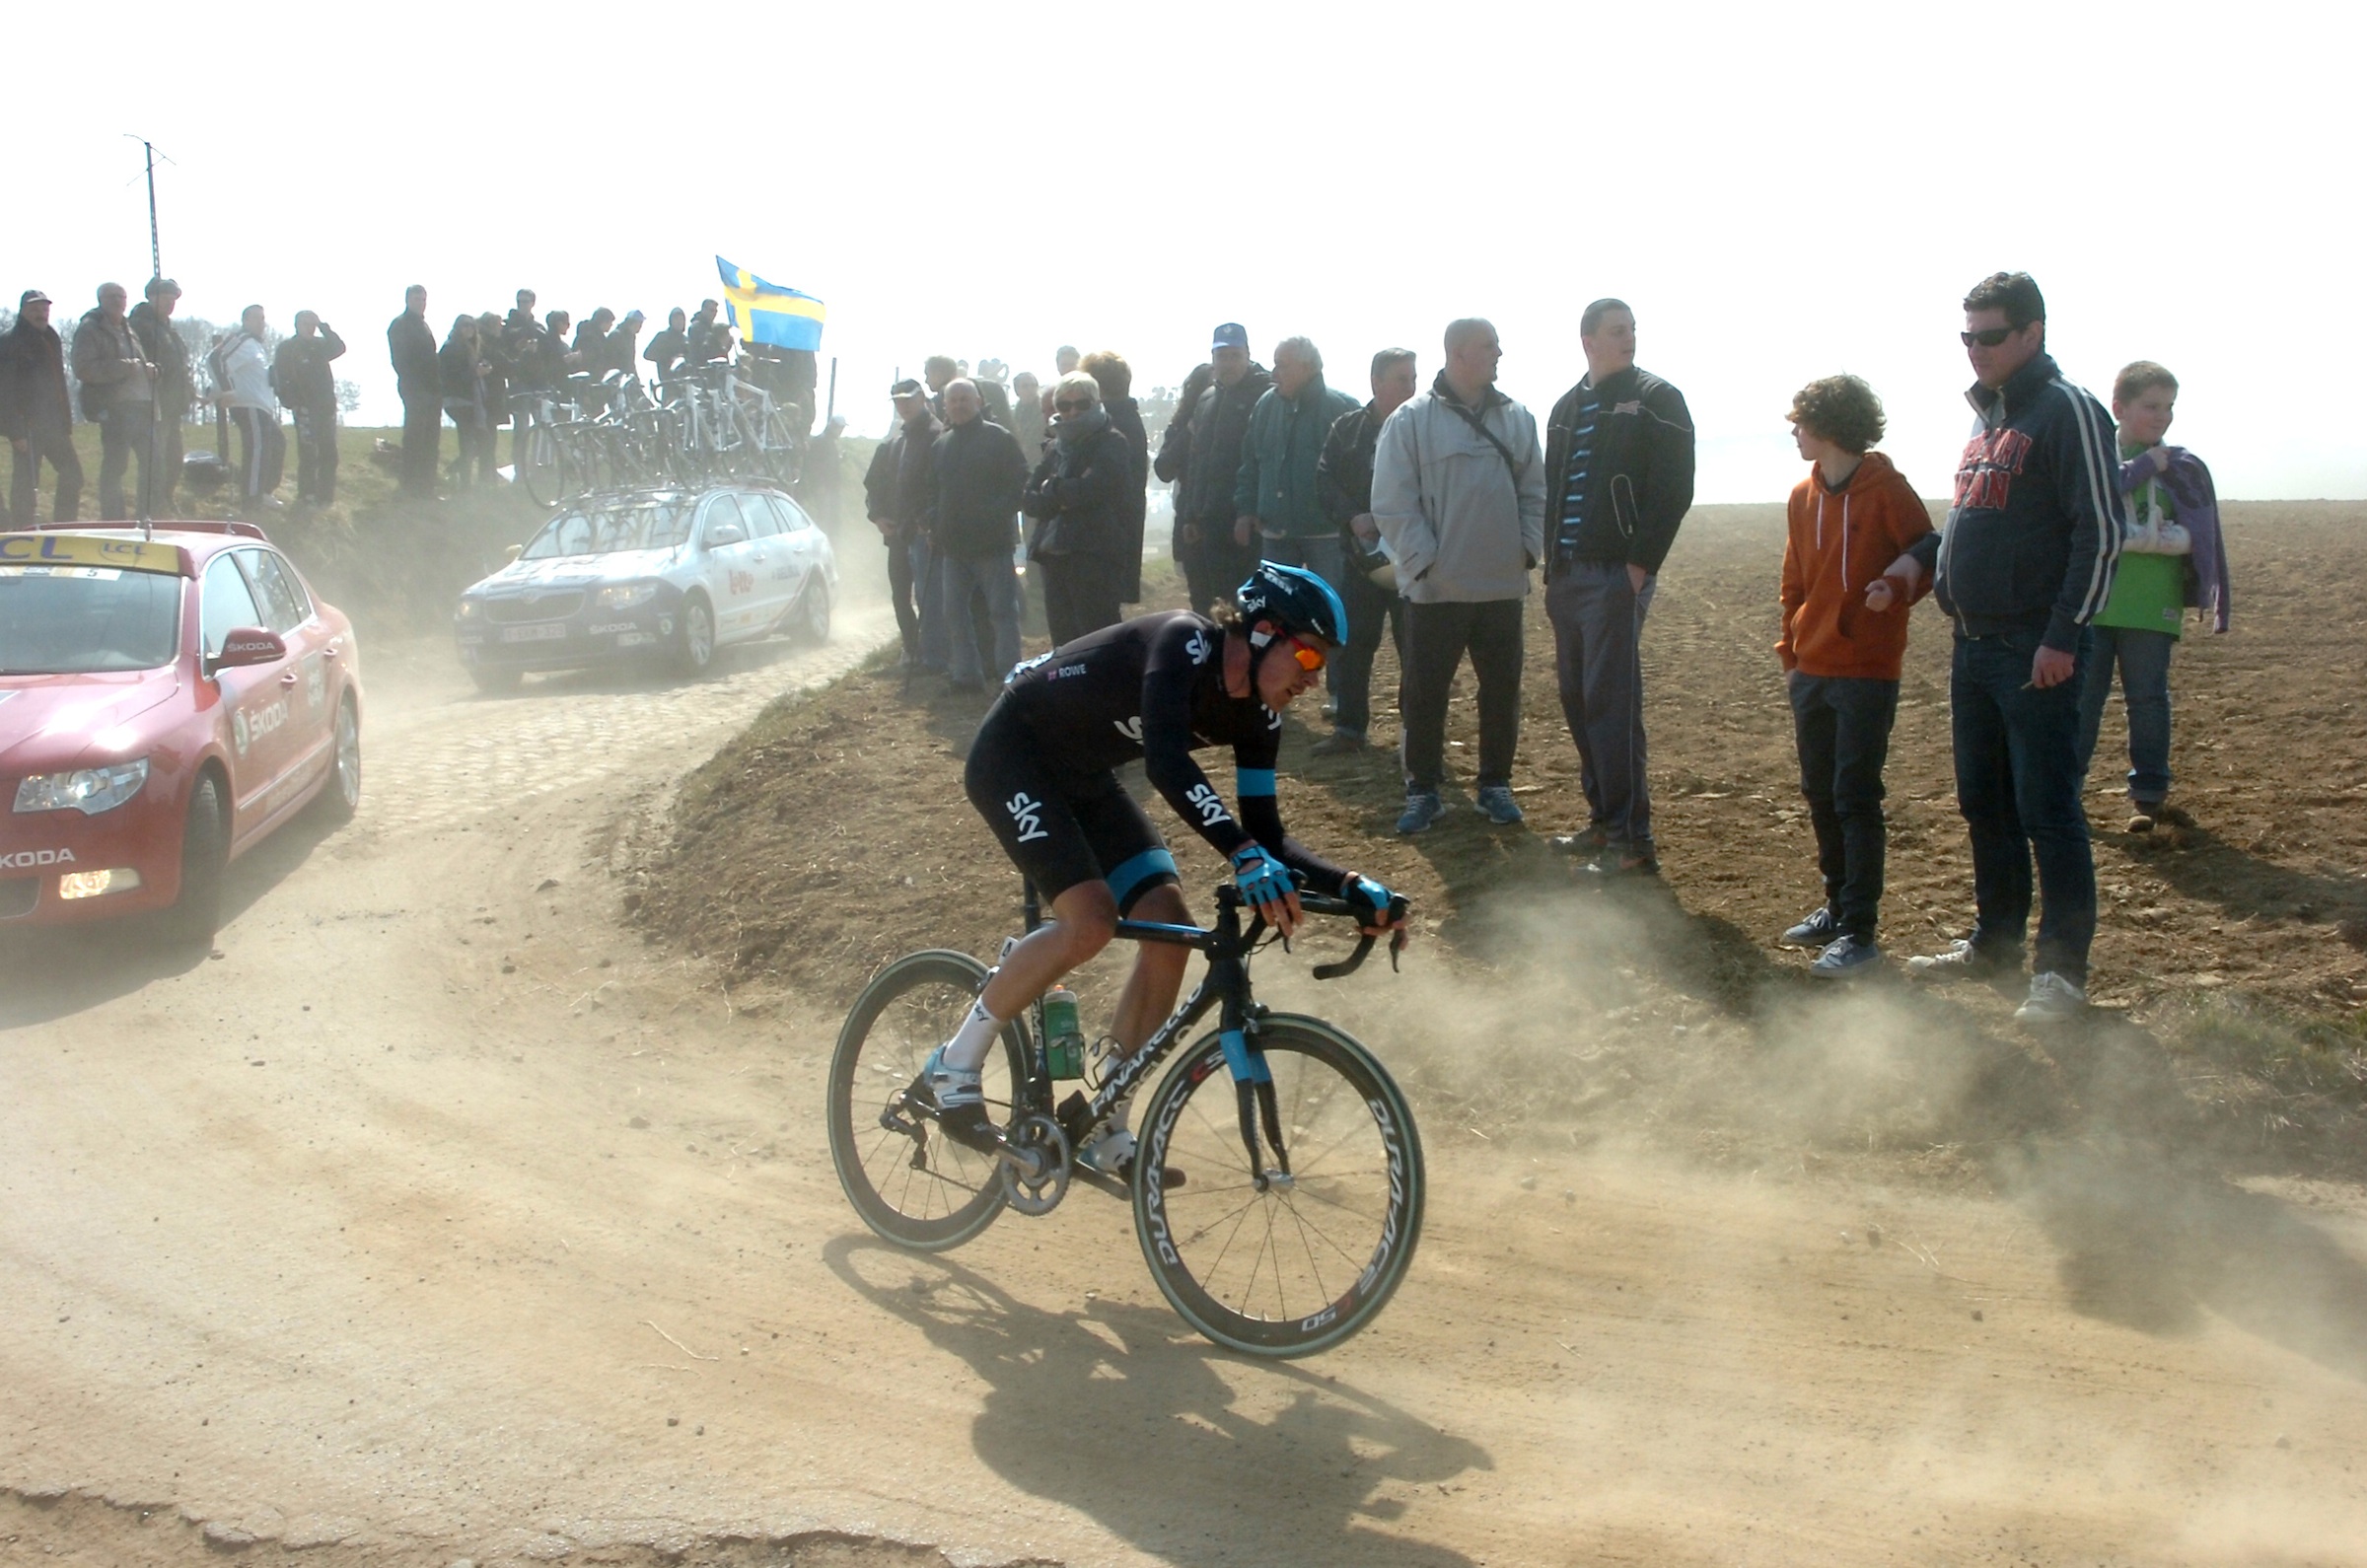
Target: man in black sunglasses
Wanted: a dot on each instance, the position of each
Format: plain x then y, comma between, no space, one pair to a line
2024,564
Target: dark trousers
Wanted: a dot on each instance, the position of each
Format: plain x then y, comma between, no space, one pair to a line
1214,566
1597,621
56,448
317,454
2018,784
422,437
1437,636
1369,608
2143,660
166,476
124,430
263,450
899,592
1842,725
473,463
1081,593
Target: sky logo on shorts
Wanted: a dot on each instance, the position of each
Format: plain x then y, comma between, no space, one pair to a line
1131,729
1024,808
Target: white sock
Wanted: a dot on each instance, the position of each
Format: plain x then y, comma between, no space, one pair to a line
968,1049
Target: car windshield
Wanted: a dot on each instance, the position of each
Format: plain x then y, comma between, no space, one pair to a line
65,620
655,524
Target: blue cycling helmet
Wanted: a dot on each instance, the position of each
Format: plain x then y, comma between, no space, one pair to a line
1296,600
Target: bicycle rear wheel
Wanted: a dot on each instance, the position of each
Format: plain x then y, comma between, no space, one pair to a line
914,1185
1261,1262
540,471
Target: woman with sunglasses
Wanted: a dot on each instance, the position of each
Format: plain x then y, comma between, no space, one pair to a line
1043,772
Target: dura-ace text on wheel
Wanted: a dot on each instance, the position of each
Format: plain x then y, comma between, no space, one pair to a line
1294,1246
914,1185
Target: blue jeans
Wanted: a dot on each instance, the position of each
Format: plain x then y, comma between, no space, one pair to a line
995,579
1842,727
2018,784
2143,657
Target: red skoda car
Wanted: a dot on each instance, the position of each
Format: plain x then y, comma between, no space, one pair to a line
168,698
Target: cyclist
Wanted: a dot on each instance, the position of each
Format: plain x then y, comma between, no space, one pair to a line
1043,773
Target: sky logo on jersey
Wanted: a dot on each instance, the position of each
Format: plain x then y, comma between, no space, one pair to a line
1024,808
1197,647
1202,797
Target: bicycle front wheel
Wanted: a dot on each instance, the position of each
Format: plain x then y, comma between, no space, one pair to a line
912,1184
1293,1253
540,471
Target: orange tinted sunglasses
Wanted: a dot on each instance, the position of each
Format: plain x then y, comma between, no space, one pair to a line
1306,653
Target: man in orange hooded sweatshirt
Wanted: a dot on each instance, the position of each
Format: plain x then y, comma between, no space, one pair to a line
1848,578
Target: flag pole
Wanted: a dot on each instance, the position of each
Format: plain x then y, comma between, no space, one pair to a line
832,412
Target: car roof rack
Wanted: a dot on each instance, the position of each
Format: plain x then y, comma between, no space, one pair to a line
230,525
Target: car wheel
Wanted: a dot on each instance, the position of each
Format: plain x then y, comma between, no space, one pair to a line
813,611
495,678
205,859
694,649
342,796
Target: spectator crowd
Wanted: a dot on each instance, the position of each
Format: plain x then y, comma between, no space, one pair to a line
2077,540
2075,543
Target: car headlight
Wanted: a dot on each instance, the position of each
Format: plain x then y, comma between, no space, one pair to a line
471,608
624,596
89,790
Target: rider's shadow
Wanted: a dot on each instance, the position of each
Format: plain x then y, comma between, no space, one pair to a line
1116,1412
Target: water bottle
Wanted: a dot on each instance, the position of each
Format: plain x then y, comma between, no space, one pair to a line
1063,1035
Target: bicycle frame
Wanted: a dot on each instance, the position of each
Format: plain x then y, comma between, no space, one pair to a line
1226,987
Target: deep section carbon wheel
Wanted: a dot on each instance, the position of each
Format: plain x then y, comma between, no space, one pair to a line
1294,1250
910,1182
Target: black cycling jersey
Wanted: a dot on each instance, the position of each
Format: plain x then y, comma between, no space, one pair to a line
1154,688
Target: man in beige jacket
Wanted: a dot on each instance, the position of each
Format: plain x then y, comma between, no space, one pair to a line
1459,492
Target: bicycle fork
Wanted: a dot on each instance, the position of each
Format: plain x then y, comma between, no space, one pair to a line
1254,1093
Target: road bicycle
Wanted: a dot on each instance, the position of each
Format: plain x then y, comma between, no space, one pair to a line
1277,1218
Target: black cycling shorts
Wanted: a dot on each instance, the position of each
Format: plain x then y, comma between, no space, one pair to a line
1062,829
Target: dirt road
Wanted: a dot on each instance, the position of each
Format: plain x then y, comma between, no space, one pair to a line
435,1218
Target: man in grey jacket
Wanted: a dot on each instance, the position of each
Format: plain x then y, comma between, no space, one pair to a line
1459,493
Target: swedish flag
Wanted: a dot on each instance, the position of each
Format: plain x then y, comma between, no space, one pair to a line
765,313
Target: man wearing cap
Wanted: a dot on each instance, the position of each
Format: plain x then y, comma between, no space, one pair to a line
411,345
1216,547
34,413
892,500
118,394
301,373
175,389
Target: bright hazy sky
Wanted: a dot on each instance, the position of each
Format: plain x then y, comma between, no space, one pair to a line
1779,192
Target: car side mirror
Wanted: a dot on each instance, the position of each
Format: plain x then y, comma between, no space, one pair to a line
723,533
248,645
512,552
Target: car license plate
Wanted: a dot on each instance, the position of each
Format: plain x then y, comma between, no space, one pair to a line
548,631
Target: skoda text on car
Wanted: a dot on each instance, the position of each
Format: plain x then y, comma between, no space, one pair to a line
167,700
673,573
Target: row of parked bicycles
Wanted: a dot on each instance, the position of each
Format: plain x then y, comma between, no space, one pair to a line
615,432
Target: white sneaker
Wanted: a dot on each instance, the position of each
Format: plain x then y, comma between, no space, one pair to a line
1108,1153
2052,1000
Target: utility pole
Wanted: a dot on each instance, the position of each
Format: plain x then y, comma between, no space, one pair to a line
156,251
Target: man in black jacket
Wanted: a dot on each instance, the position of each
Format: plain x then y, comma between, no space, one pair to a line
971,489
118,394
2024,564
894,500
1343,480
1618,480
1079,492
411,345
1212,545
36,414
307,389
176,387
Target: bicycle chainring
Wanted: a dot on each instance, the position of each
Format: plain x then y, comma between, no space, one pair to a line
1035,1164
